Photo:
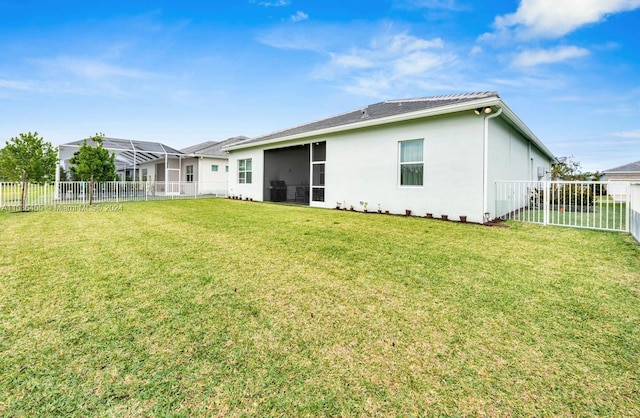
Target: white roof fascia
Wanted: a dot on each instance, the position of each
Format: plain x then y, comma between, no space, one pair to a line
524,129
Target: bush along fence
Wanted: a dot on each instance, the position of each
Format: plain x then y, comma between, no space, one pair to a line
594,205
80,193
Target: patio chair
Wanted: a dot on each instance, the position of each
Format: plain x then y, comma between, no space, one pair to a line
301,194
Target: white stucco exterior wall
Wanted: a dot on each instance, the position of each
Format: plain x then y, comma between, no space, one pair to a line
254,189
512,157
151,170
363,166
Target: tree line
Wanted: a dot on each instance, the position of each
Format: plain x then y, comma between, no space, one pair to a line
28,158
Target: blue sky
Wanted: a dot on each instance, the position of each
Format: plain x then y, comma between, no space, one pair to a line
191,71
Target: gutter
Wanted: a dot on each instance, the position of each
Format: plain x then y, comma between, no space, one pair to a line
485,164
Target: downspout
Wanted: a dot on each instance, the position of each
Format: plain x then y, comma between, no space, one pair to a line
485,165
166,173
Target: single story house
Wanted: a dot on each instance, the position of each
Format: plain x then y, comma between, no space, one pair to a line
627,173
438,155
198,169
129,155
205,165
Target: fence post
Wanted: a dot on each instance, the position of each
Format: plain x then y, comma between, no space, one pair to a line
628,207
547,202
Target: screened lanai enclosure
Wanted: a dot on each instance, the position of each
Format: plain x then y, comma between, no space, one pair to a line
130,154
295,174
145,170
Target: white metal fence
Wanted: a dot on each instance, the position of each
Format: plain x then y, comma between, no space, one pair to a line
568,203
634,211
78,192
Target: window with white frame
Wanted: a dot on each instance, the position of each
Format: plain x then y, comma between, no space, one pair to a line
244,171
214,168
144,174
189,174
226,168
412,162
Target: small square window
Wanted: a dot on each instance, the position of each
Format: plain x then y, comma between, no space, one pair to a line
214,168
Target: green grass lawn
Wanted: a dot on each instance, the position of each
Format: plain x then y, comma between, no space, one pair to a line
11,194
602,215
230,308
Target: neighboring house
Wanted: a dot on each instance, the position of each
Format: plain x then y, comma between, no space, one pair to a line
438,155
170,170
624,174
130,154
205,165
628,172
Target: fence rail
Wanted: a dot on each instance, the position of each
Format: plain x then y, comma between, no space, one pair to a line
567,203
80,192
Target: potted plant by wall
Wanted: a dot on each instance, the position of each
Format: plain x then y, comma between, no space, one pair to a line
429,215
445,217
463,218
338,205
407,212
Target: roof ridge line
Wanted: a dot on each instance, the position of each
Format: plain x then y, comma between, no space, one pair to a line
473,95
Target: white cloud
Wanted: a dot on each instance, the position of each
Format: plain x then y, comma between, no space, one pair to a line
452,5
84,76
634,134
397,55
555,18
353,61
95,69
533,57
18,85
419,63
374,85
299,16
317,38
276,3
476,50
388,63
405,43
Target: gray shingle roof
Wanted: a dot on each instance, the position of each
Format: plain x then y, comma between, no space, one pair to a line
212,148
627,168
377,111
198,147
